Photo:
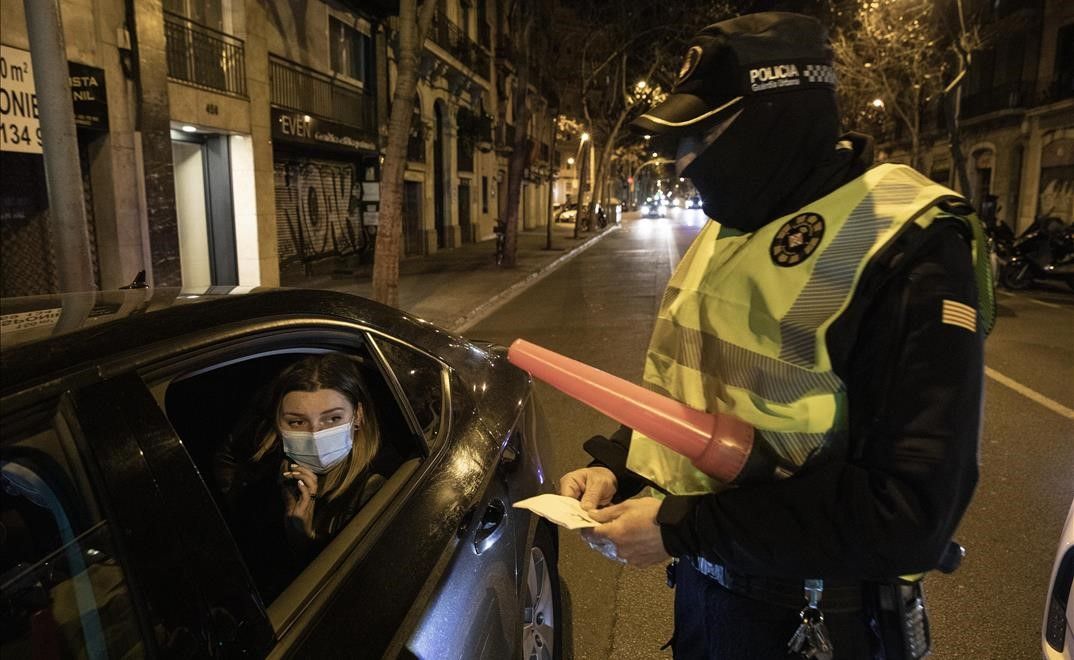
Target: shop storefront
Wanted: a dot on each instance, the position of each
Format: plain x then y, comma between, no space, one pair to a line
27,260
327,193
326,171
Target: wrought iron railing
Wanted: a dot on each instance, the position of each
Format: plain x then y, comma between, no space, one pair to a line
452,39
1061,87
203,57
1017,94
302,89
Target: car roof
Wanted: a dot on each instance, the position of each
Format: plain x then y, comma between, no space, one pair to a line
45,336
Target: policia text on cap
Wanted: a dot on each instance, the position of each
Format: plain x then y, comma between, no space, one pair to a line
839,308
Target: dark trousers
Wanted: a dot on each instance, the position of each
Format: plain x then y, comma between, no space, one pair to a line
712,623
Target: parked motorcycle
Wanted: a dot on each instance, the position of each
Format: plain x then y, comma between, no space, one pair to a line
1045,251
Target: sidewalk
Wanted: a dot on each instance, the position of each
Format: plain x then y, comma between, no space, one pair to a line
456,288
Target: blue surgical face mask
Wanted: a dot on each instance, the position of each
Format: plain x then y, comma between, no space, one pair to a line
321,450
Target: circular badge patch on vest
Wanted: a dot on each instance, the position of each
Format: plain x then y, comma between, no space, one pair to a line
798,238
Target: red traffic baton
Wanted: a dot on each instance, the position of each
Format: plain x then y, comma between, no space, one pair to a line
716,444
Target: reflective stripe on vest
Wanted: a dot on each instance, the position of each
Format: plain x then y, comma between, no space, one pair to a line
739,334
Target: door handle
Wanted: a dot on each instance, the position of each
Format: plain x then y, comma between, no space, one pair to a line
491,526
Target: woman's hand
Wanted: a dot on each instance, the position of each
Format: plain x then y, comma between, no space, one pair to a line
299,509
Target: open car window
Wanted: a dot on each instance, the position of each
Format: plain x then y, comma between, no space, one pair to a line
218,409
63,589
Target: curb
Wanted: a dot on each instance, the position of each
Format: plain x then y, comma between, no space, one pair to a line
482,311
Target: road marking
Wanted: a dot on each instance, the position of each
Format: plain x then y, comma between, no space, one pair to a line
673,253
1031,299
1031,394
483,311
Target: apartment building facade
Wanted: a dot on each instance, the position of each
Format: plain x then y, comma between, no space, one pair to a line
239,142
1016,114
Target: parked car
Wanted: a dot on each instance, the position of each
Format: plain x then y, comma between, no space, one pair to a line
1058,630
567,213
114,538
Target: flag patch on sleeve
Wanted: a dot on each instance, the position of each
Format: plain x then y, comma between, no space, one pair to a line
964,316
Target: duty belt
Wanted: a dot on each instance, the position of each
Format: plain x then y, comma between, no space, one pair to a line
843,596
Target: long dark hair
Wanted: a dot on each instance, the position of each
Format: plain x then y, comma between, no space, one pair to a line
325,371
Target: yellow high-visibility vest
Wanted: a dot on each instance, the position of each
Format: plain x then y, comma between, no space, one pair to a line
742,325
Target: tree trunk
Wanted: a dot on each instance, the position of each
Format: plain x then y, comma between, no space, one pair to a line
954,136
519,154
412,30
551,178
605,156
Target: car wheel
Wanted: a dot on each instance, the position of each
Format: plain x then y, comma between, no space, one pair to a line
1016,276
541,625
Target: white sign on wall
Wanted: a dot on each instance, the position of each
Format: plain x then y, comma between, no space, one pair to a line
20,129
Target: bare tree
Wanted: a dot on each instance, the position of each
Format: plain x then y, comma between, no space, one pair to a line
410,40
896,60
628,62
520,18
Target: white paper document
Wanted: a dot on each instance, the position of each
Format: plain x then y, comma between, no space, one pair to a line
560,509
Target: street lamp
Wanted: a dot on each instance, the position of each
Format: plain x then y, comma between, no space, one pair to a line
570,160
585,137
878,103
641,84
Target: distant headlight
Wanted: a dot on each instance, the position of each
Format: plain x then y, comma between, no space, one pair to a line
644,208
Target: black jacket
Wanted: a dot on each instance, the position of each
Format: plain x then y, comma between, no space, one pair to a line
888,502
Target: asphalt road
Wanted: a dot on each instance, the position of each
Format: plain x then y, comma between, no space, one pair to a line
599,308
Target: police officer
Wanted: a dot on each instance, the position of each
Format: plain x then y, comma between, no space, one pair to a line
840,308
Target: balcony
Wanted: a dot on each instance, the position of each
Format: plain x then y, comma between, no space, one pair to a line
1017,94
505,138
1062,87
454,41
301,89
203,57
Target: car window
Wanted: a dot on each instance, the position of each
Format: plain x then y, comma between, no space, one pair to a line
421,380
63,590
227,416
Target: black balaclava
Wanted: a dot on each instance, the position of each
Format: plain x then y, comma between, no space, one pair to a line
756,163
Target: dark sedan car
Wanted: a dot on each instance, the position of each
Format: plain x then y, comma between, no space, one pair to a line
114,540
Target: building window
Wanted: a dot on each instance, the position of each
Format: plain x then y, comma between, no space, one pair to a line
484,194
350,50
1064,62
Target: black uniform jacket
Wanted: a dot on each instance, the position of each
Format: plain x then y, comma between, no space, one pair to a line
888,502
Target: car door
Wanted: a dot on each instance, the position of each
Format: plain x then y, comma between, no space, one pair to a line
355,595
119,582
473,611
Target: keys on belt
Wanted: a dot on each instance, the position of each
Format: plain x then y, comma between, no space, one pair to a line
811,639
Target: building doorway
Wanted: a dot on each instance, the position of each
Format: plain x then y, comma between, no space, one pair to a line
413,237
204,210
438,176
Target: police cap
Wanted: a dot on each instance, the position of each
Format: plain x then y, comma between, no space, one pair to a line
730,61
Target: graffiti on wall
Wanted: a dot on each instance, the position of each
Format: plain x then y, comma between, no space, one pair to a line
318,210
1056,198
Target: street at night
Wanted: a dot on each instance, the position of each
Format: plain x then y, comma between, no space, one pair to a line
539,329
599,307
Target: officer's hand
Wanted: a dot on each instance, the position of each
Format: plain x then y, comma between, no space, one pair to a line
631,526
594,486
